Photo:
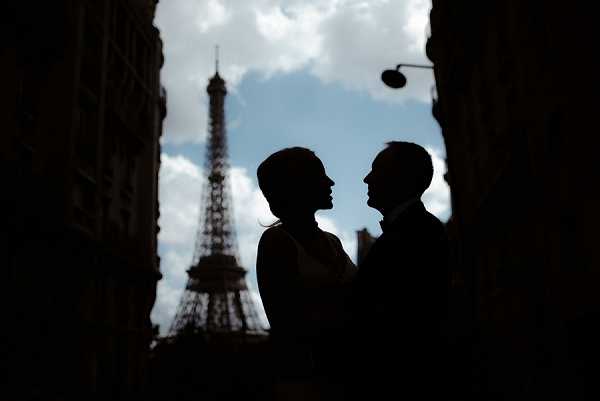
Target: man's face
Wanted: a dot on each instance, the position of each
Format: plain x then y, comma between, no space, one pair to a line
388,185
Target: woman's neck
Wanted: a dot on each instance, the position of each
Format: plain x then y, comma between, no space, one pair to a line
301,225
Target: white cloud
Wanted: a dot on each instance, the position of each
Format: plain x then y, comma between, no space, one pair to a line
437,196
250,211
215,14
181,183
340,41
360,39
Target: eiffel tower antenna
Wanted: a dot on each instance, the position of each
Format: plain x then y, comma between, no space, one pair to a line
216,298
217,58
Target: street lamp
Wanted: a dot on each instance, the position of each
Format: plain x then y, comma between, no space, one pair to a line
395,79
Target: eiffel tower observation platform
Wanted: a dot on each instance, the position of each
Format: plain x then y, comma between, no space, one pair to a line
215,273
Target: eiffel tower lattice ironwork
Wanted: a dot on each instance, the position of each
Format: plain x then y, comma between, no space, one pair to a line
216,299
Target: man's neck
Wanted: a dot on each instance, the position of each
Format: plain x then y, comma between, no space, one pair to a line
393,212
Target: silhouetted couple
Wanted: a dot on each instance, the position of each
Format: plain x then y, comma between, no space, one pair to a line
345,333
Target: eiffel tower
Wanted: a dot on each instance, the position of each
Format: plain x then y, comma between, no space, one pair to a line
216,300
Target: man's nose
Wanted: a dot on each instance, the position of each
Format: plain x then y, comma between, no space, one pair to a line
366,179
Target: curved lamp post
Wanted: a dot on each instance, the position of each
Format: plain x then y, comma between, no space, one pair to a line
395,79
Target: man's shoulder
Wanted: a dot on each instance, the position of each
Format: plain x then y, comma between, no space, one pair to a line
419,228
331,236
426,222
434,222
386,244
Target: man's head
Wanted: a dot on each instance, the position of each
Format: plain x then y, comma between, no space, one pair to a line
403,170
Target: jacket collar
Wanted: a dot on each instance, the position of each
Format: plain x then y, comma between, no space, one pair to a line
400,212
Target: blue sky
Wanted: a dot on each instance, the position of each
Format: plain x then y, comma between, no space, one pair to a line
284,93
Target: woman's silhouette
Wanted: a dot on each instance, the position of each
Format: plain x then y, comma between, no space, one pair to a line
304,276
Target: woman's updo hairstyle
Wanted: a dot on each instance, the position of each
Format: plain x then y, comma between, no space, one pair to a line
279,176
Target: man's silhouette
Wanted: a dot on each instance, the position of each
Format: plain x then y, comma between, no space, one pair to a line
400,291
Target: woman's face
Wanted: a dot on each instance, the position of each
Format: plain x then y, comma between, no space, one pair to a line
313,186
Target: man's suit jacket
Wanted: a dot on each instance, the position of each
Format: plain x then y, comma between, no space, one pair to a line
400,300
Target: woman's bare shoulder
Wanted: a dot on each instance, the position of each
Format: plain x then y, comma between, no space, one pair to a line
275,248
337,244
275,238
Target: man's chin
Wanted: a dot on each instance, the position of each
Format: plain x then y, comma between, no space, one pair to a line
326,205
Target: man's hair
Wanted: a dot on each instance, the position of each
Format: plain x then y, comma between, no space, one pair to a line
413,159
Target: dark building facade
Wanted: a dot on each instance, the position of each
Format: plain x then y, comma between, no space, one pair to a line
364,240
82,110
516,103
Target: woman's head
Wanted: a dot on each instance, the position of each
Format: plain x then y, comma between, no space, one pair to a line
294,182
